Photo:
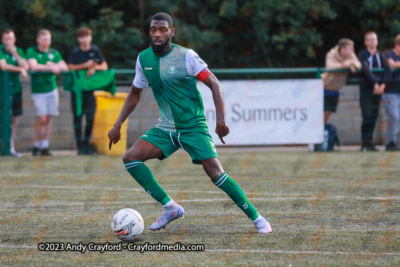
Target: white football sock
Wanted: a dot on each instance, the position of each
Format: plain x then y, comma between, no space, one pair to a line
169,203
259,217
12,148
45,144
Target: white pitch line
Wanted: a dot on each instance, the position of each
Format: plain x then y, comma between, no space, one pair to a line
271,196
84,203
100,188
7,246
310,252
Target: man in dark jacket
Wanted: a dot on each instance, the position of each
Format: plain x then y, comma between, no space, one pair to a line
372,86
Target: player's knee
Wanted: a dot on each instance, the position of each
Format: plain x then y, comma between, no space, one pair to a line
213,168
215,175
43,120
131,156
127,157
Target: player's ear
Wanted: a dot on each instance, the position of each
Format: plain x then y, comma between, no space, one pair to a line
172,32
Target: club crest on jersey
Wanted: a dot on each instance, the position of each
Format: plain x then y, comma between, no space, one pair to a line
171,69
51,56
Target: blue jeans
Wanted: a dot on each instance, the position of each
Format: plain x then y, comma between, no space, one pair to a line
391,103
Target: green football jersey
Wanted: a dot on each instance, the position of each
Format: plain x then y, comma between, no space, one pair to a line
13,77
173,80
43,82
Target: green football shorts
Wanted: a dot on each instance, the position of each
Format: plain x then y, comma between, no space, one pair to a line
197,143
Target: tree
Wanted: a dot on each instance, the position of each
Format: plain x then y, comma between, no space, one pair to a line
225,33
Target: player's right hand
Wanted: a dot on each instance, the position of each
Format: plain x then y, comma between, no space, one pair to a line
54,68
377,89
24,73
114,135
91,63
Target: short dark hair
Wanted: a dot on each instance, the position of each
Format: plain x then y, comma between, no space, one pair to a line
397,40
165,17
43,32
7,31
345,42
83,31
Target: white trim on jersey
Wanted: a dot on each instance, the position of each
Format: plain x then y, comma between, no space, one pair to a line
140,80
194,64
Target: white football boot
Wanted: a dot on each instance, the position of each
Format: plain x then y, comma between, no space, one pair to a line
262,225
14,153
169,214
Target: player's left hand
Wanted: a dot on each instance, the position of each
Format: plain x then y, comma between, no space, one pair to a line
353,68
24,73
222,130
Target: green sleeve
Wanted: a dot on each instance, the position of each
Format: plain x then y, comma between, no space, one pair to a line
57,57
21,53
2,56
30,53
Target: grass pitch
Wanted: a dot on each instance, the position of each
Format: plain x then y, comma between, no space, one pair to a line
335,209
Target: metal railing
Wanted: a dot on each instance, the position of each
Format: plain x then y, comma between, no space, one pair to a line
317,70
6,102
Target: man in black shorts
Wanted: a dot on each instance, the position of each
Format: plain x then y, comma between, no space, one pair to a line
12,59
85,56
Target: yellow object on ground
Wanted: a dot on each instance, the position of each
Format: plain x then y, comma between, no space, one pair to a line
107,111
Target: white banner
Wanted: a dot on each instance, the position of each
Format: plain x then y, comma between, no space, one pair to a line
268,112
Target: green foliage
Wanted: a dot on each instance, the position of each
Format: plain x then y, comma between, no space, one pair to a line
226,33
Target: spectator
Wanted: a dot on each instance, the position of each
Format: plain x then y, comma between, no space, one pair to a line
12,59
342,56
372,86
391,97
89,57
43,58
